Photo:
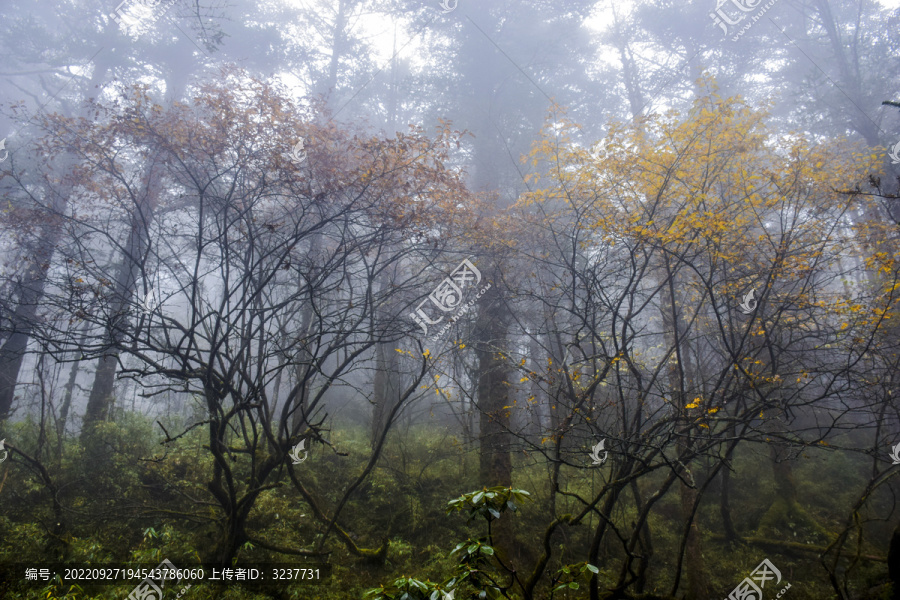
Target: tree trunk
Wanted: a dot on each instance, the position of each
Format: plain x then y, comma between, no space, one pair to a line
30,292
725,507
786,513
598,537
894,563
680,376
495,466
645,539
783,471
101,397
697,581
304,369
31,289
69,391
386,390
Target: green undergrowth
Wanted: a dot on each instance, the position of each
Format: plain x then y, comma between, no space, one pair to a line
126,498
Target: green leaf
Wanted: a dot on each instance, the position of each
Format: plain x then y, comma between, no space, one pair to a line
487,550
592,569
573,585
473,548
494,513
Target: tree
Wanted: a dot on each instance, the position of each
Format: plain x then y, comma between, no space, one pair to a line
684,215
248,242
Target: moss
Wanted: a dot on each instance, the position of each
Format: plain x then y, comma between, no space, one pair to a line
785,518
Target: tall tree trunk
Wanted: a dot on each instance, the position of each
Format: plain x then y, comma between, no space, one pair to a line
725,506
386,390
783,471
495,466
304,368
30,290
386,386
68,394
785,512
680,376
697,581
101,397
645,541
339,48
598,537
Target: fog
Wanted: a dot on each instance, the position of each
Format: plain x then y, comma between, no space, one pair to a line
444,299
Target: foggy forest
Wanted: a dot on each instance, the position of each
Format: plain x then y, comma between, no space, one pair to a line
450,299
